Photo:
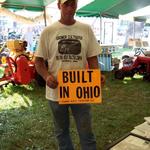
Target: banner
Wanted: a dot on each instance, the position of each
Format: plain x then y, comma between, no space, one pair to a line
79,86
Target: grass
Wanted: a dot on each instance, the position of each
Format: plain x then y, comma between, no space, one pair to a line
26,121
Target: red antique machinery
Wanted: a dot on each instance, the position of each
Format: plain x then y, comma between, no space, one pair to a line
18,66
141,65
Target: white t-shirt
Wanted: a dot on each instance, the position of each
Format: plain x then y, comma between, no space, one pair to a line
66,47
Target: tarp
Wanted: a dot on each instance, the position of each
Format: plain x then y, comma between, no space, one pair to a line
33,5
140,15
111,8
23,19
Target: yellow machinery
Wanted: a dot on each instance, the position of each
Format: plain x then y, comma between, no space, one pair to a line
17,66
17,47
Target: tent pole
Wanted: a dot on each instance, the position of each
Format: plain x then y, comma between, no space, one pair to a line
112,39
45,21
134,28
100,29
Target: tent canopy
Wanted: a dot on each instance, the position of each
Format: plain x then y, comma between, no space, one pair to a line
111,8
32,5
105,8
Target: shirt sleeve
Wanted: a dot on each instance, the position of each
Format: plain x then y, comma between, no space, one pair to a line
42,50
94,48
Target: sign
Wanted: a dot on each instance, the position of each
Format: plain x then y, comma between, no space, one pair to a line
79,86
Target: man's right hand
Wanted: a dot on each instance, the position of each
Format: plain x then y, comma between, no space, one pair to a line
103,80
51,82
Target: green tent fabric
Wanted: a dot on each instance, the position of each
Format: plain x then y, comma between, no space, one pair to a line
111,8
32,5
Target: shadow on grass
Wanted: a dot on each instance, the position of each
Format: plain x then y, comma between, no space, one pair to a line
125,104
25,119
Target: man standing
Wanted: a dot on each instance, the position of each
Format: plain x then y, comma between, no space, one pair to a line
67,44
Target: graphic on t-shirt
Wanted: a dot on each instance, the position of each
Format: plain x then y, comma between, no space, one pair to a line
69,49
69,46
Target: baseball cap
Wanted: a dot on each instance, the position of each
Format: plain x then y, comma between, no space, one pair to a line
63,1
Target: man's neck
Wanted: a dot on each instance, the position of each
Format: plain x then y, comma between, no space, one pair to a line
67,22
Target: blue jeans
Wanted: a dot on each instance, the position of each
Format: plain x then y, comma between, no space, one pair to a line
82,116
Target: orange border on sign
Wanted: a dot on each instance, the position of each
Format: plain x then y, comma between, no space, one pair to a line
79,86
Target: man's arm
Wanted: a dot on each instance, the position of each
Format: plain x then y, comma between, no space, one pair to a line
41,67
93,64
43,71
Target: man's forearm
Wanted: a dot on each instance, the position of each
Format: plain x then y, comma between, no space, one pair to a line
93,62
41,67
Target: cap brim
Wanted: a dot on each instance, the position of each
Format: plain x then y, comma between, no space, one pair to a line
63,1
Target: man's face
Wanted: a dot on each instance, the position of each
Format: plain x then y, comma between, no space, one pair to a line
68,8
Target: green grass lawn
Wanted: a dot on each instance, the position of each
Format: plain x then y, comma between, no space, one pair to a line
26,121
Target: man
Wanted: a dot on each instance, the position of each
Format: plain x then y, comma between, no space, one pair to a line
67,44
